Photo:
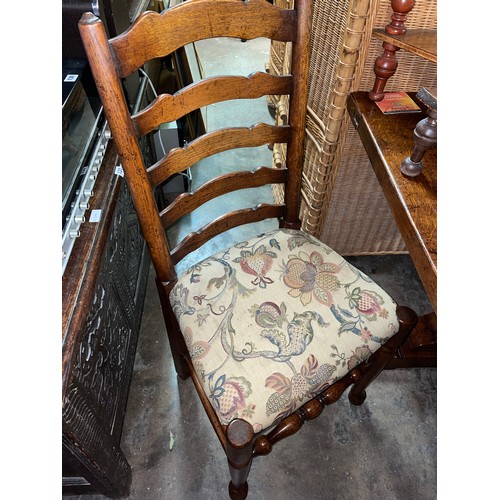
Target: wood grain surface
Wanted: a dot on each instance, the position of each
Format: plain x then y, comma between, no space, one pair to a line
417,41
179,159
157,35
167,108
187,202
387,140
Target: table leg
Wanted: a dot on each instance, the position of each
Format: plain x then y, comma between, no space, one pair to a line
425,136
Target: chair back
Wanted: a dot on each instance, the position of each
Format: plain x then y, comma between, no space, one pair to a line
156,35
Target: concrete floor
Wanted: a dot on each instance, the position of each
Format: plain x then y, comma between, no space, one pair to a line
385,449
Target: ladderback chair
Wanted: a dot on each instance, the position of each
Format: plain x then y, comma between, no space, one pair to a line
276,327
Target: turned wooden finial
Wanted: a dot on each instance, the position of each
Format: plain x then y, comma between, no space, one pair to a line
386,64
400,8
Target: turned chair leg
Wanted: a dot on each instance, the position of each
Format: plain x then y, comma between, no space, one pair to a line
239,456
407,321
178,346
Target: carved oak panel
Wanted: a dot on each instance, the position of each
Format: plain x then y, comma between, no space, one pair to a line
95,400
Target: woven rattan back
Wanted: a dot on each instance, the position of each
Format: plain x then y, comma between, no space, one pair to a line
155,35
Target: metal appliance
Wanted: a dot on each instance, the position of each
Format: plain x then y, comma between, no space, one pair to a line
84,140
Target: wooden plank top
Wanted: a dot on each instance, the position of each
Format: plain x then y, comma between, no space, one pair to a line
417,41
388,139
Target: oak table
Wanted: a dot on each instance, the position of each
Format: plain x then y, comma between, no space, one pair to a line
388,139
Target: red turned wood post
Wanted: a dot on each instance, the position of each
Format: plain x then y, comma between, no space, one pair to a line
386,64
401,9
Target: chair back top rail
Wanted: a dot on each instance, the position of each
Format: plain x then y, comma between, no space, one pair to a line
156,35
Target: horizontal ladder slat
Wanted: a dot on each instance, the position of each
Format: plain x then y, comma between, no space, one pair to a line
179,159
228,221
187,202
167,108
192,21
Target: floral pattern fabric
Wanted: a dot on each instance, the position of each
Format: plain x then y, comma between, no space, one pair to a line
272,321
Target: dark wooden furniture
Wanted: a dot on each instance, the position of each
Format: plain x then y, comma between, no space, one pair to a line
387,140
424,134
396,36
103,291
112,60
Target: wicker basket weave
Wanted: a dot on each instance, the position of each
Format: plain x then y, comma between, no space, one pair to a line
343,203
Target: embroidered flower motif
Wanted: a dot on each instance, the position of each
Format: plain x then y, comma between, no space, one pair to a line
198,349
309,276
179,301
366,335
258,264
195,278
359,355
269,314
199,299
257,427
201,317
384,313
229,396
292,393
299,331
248,411
368,303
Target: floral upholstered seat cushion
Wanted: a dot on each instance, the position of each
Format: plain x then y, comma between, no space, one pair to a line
274,320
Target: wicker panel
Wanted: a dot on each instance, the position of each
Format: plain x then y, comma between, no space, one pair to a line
369,228
333,69
359,220
327,36
342,203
